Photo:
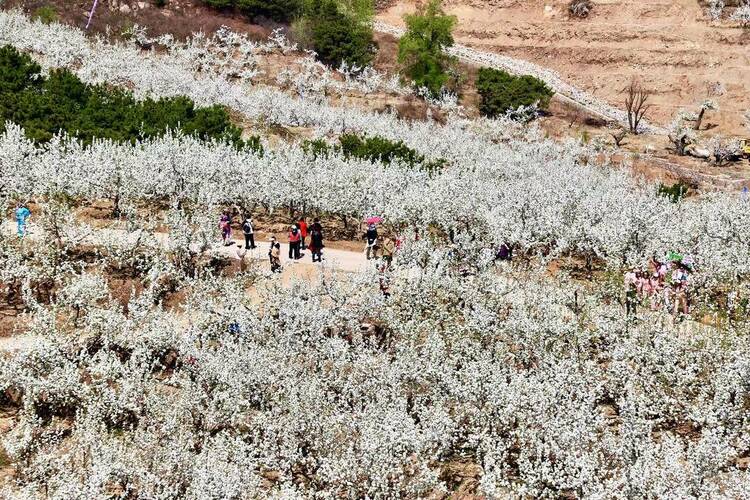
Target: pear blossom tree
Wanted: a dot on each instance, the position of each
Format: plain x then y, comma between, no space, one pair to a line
495,380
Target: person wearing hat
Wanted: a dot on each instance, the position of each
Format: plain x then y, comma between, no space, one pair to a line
270,249
295,239
679,282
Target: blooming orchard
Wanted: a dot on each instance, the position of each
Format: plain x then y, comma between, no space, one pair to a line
470,377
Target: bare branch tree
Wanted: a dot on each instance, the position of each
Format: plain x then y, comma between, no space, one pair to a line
618,134
636,105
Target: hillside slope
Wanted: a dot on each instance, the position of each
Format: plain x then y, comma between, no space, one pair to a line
669,45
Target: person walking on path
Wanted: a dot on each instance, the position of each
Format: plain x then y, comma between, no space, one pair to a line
294,243
316,241
275,255
22,217
371,237
225,225
247,230
303,232
241,252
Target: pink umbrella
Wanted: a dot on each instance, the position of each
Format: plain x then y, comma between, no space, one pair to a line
373,220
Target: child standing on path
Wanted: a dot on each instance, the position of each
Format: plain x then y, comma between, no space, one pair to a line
275,257
241,252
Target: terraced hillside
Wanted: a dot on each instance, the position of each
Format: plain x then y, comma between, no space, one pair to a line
671,46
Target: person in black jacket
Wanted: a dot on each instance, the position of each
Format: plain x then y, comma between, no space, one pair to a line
316,241
371,236
247,230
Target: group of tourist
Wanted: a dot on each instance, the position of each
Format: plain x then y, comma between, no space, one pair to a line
304,237
375,245
663,284
298,235
298,238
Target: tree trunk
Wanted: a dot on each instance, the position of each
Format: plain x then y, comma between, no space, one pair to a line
699,119
116,208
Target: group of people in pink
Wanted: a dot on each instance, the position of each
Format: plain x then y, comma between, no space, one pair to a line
663,284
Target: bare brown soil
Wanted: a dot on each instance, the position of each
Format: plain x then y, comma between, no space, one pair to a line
669,45
181,18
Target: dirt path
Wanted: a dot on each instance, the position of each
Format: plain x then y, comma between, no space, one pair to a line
334,260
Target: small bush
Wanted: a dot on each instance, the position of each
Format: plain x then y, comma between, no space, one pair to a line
502,92
278,10
378,149
220,4
316,148
374,149
675,192
45,14
580,8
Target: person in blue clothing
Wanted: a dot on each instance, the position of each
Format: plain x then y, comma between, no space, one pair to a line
22,216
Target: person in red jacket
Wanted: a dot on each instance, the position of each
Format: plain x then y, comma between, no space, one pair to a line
303,232
295,238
